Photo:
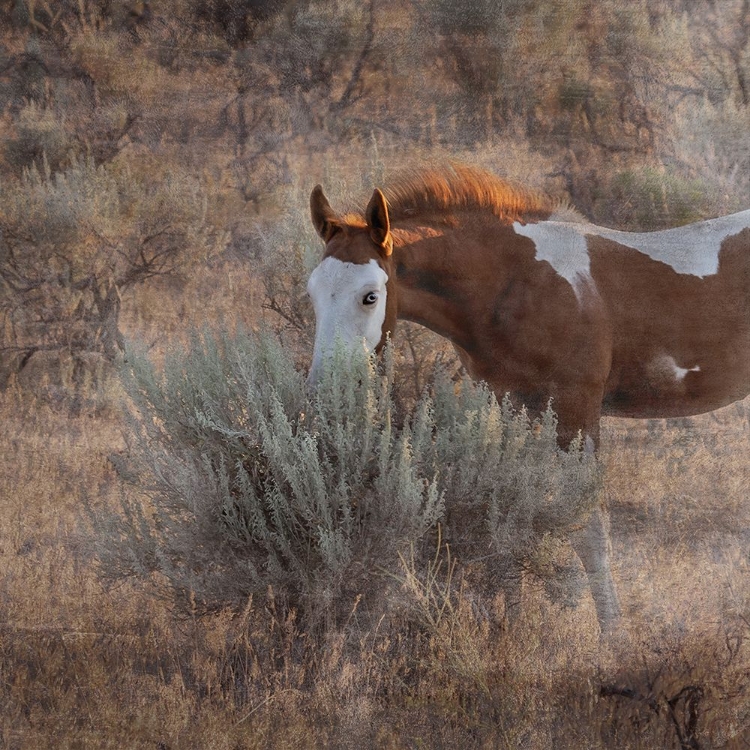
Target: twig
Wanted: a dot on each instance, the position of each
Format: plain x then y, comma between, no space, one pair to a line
261,704
345,98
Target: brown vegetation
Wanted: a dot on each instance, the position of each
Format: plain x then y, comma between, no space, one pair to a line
155,164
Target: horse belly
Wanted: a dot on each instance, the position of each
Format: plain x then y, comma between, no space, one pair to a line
665,387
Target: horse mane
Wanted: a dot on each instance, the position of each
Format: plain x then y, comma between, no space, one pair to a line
459,187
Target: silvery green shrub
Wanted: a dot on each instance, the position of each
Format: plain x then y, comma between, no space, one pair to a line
243,479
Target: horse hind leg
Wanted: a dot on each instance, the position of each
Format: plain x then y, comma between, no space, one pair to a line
594,549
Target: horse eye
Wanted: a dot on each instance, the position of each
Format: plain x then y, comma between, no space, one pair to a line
370,298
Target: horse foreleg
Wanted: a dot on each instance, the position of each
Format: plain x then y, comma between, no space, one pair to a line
593,547
578,408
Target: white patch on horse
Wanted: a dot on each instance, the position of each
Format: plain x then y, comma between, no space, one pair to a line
665,368
680,372
338,291
563,245
692,249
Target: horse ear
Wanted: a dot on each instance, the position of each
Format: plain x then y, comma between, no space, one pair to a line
324,218
378,222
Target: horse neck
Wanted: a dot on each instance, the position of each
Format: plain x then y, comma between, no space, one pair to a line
439,273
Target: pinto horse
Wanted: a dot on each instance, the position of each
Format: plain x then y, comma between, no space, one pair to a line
541,304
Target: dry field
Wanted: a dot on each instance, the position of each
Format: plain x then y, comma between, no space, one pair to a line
83,666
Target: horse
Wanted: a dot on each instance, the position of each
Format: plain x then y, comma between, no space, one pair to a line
541,304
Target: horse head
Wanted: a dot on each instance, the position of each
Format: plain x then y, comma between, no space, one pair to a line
351,289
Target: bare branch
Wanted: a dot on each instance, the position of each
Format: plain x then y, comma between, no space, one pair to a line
356,75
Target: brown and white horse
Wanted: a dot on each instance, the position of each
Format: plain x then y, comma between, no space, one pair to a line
542,304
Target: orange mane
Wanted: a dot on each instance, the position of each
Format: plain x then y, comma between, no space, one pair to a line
459,187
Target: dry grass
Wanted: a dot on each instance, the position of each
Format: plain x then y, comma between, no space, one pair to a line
84,667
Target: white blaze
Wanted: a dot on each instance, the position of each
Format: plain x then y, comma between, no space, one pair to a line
340,293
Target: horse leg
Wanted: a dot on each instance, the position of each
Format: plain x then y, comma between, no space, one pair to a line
593,547
592,543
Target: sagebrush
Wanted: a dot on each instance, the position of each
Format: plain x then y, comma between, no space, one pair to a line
248,480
